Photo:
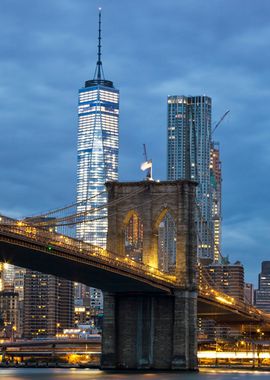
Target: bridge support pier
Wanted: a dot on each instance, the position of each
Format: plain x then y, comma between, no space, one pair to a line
150,331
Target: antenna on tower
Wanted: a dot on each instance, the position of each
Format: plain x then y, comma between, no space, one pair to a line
99,74
147,165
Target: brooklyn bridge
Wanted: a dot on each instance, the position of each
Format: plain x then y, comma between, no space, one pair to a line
150,313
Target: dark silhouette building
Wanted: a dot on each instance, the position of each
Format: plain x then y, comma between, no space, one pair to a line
262,294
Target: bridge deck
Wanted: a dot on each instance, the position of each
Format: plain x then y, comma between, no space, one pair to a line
48,252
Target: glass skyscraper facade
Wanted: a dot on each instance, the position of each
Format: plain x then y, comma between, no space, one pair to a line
189,145
98,146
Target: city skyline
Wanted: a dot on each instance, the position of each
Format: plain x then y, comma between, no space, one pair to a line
39,117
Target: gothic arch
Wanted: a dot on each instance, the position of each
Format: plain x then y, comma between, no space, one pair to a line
163,212
133,235
165,228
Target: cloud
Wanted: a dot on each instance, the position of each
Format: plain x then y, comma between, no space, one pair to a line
150,50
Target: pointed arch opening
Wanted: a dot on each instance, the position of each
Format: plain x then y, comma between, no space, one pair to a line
166,242
133,244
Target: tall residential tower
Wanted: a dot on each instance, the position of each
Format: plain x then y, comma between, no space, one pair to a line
189,143
98,147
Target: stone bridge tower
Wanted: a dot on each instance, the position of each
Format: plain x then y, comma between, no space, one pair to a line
152,330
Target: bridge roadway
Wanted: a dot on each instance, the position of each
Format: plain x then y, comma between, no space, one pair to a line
48,252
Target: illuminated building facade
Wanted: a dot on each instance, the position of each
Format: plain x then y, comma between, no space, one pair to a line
228,278
88,317
98,147
215,175
8,275
10,312
12,283
188,148
48,305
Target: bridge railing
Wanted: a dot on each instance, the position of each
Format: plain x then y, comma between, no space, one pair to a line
51,240
232,302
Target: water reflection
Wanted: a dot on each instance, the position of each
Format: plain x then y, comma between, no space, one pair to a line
83,374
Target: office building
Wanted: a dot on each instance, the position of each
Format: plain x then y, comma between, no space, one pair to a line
262,294
249,293
98,147
86,315
228,278
88,296
1,276
189,143
8,275
215,177
10,313
19,274
12,282
48,305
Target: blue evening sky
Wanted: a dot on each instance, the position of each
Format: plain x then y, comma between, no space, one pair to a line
151,49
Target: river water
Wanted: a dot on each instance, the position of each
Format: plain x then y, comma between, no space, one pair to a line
89,374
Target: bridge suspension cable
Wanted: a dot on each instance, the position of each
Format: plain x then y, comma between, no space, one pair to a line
51,212
105,216
76,216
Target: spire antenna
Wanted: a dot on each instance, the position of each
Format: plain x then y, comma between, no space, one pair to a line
99,70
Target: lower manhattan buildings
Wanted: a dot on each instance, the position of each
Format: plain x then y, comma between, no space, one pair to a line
189,157
48,305
228,278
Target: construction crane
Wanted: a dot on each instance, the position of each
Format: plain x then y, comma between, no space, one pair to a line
147,165
219,122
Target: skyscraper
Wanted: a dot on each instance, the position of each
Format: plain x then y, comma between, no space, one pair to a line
48,305
262,295
228,278
215,175
98,147
189,142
